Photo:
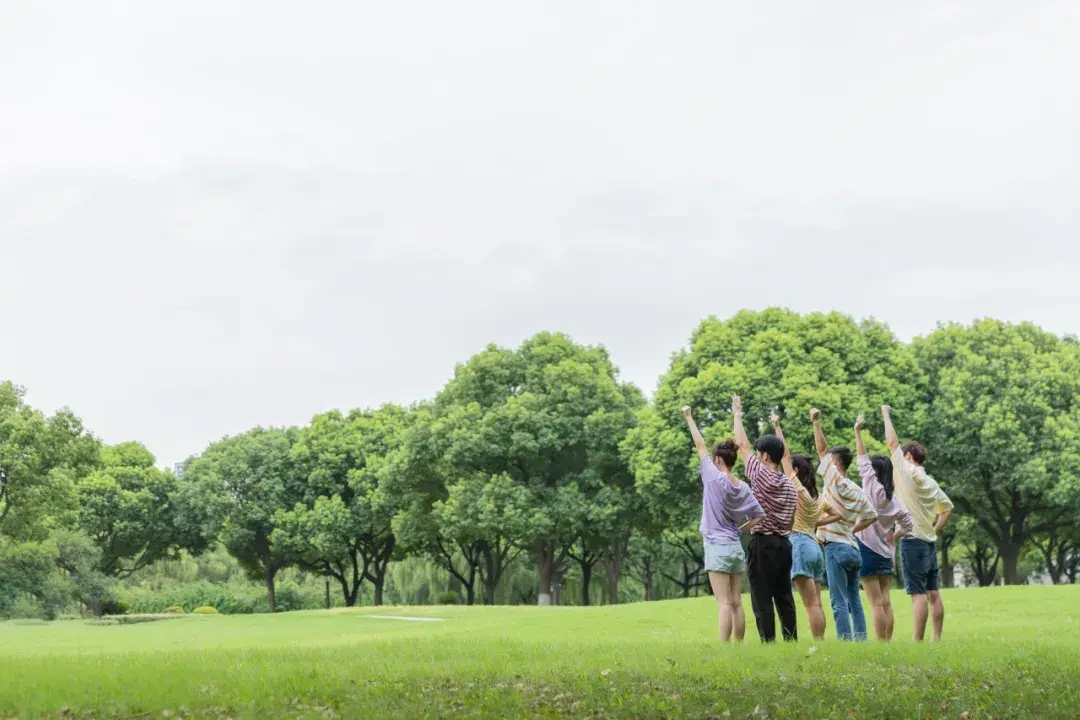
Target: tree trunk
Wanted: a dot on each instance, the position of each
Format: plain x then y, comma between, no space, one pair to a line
470,588
557,583
327,593
1010,559
948,575
271,591
613,565
586,580
546,561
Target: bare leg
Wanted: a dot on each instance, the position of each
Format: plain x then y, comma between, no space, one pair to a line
919,611
886,596
937,608
810,593
878,607
721,587
738,617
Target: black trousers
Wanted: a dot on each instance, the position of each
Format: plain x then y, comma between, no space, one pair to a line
769,573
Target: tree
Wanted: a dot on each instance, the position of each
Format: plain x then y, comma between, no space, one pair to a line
1003,429
40,459
549,416
1059,548
644,561
342,526
234,491
127,508
777,361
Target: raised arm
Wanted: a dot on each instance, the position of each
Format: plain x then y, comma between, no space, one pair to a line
819,434
741,440
699,442
890,432
860,447
789,469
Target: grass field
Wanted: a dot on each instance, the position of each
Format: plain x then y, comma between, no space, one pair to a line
1008,652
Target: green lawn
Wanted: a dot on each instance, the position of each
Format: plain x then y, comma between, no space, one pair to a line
1008,652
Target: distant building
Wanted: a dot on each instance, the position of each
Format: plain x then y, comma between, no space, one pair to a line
178,468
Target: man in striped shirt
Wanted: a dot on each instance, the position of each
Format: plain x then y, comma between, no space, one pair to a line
842,557
769,556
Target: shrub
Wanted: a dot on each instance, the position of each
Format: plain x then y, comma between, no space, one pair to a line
205,610
447,598
174,610
115,607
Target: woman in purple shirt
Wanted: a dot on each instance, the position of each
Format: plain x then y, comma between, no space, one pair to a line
877,543
727,504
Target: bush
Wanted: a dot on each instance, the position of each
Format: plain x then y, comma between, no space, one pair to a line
447,598
229,599
174,610
205,610
115,607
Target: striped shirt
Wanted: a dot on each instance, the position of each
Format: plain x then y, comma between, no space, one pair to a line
890,513
775,494
809,511
848,499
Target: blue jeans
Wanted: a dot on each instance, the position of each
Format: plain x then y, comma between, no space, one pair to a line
842,564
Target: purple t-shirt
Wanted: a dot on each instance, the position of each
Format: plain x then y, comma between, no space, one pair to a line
724,507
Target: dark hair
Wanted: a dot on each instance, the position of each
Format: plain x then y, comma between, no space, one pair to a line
842,455
771,446
918,452
727,451
804,470
883,469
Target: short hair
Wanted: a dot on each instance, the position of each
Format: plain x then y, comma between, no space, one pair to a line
883,468
916,450
727,451
804,470
842,455
771,446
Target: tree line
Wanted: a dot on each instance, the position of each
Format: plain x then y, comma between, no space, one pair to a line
541,455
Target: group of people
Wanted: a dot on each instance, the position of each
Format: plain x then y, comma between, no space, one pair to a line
801,535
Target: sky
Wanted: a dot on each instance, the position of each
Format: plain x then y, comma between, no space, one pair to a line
215,215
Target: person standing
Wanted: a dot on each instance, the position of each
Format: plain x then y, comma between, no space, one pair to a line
877,543
812,510
930,509
726,504
842,559
769,563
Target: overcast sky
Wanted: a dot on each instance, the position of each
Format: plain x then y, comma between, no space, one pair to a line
221,214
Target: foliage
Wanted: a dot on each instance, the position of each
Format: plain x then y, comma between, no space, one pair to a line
447,598
1003,429
127,507
342,524
229,599
547,419
174,610
777,361
235,490
204,610
40,458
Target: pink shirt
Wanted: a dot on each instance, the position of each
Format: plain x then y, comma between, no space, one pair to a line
889,512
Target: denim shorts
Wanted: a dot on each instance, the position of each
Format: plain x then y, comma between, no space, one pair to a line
920,565
873,563
727,558
807,559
